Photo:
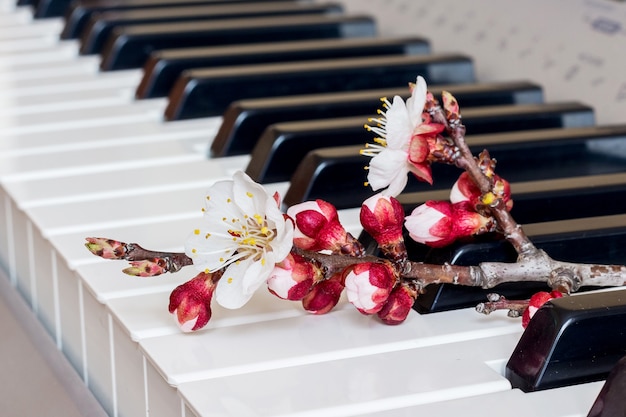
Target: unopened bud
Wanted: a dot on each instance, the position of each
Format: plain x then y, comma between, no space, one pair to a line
190,302
368,286
106,248
147,267
293,278
324,295
399,305
318,227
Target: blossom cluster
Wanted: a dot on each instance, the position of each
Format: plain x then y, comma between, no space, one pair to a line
245,242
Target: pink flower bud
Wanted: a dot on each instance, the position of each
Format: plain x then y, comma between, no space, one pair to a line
535,302
292,278
191,302
317,226
368,286
324,295
382,217
439,223
464,189
147,267
106,248
398,305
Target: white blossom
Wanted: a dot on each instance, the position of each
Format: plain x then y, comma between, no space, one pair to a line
390,164
244,232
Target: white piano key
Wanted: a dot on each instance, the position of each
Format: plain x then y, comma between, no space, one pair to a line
85,65
34,29
310,339
35,44
29,177
11,15
571,401
357,385
65,101
122,134
60,84
83,216
66,51
92,117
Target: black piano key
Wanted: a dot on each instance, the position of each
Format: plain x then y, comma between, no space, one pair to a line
101,25
282,146
244,121
610,401
79,13
50,8
570,340
203,93
522,156
130,46
164,67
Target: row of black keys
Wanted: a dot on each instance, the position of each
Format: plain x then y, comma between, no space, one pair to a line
273,131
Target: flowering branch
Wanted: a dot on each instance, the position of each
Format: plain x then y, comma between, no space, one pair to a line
306,255
144,262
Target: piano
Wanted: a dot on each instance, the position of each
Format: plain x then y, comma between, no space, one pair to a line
81,156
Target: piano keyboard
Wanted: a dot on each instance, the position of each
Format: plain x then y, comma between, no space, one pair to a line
79,156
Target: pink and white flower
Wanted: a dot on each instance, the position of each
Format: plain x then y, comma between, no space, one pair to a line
368,286
190,302
396,127
317,226
293,278
439,223
243,233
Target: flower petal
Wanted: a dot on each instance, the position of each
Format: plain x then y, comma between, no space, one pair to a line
415,103
399,126
386,168
230,292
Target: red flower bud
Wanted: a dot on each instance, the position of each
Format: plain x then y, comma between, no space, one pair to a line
324,295
535,302
293,278
399,305
382,217
317,226
191,302
368,286
439,223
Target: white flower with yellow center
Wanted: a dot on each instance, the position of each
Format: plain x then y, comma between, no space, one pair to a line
390,164
244,232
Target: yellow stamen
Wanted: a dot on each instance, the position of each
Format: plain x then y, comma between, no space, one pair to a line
196,232
488,198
